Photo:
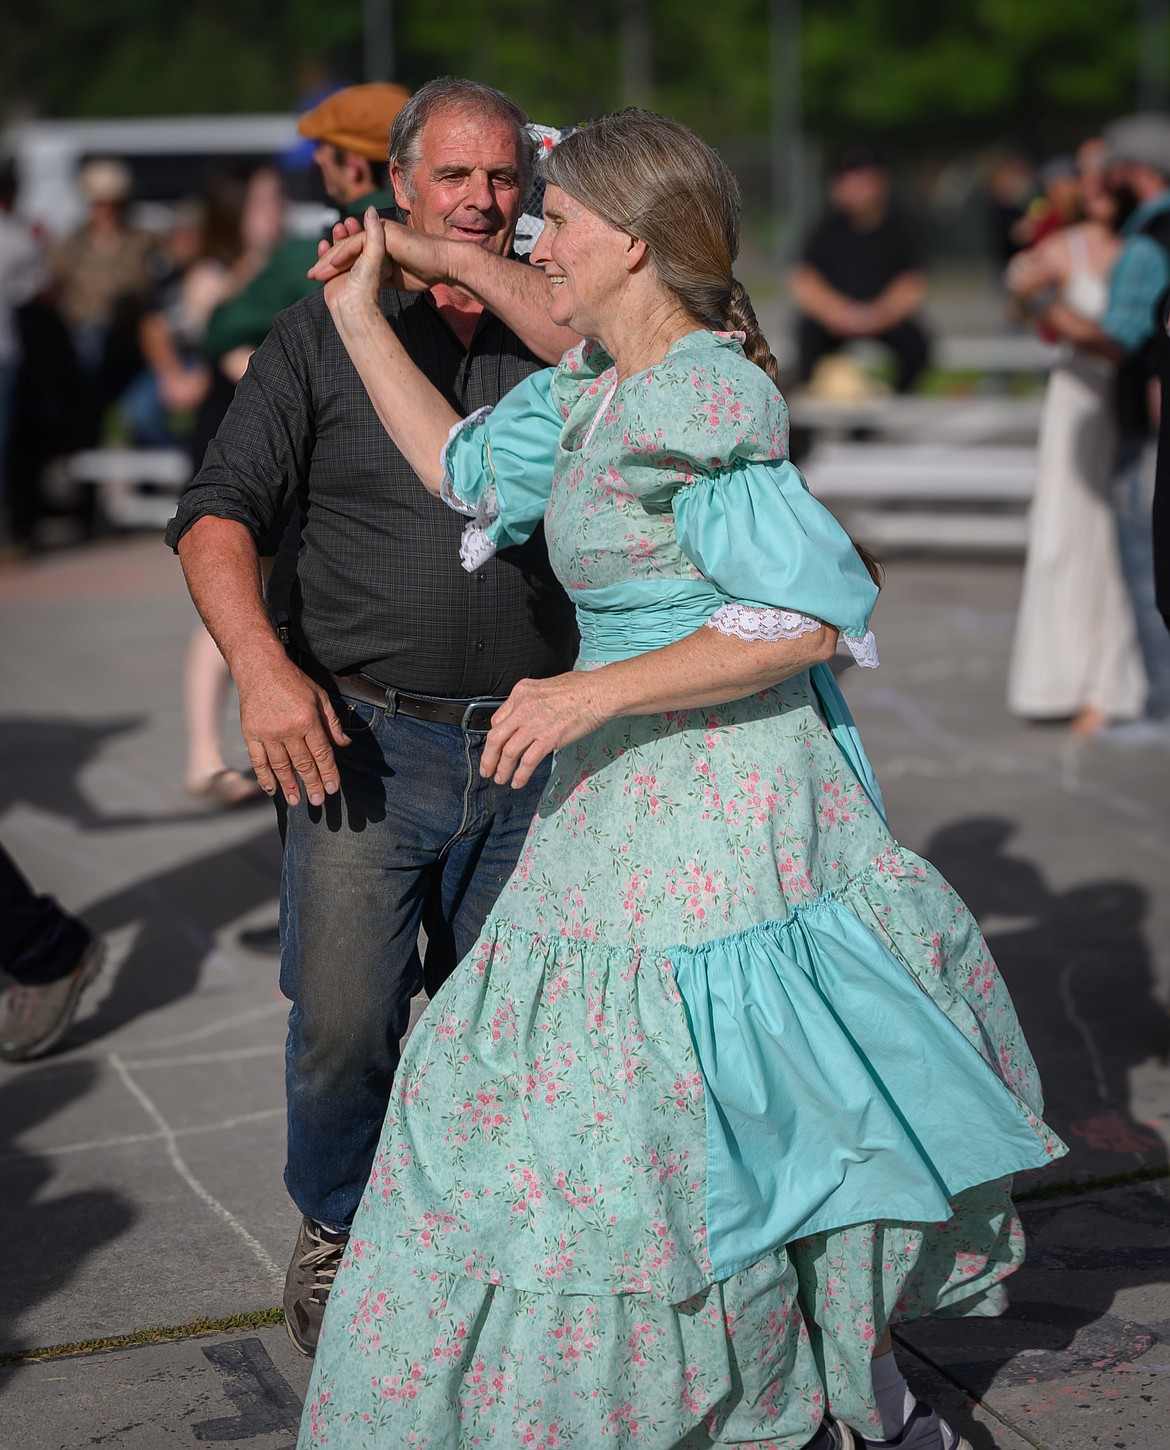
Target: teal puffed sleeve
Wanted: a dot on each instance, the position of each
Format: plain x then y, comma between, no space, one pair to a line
757,533
498,468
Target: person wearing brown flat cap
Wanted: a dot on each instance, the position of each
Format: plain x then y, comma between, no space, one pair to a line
352,131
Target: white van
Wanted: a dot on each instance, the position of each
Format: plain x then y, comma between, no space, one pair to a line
170,157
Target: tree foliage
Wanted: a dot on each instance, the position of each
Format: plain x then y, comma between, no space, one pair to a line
970,72
917,72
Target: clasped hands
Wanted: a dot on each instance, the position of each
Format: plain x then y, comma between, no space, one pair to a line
398,256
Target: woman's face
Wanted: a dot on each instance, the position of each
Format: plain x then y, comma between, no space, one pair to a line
585,262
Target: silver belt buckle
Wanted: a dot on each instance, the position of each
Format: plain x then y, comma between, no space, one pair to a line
490,706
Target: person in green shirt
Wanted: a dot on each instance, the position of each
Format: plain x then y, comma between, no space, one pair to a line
351,128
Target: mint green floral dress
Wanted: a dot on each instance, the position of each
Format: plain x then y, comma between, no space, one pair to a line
729,1082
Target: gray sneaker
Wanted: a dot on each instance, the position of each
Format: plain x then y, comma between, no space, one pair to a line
35,1018
925,1429
315,1262
833,1435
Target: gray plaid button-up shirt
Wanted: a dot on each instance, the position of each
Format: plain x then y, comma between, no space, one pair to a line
379,587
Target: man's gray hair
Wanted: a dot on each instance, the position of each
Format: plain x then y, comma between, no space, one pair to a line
452,92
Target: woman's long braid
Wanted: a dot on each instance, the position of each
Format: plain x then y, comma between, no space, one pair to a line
740,316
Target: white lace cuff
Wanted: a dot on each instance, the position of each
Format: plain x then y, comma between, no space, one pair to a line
863,649
475,547
750,621
447,488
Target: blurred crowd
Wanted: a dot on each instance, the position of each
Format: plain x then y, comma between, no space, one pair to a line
104,331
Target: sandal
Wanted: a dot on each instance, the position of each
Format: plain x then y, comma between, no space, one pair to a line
226,787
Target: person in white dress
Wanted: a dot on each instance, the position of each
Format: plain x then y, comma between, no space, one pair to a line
1075,654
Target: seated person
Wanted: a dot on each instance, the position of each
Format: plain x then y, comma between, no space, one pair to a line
860,275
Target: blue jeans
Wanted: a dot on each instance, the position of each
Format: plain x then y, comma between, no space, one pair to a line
1132,495
413,826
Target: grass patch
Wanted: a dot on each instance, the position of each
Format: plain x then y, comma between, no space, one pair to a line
257,1319
1074,1187
938,382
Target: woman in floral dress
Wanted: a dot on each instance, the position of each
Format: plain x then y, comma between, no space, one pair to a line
729,1083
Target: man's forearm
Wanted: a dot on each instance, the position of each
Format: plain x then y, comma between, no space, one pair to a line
288,723
222,568
899,301
516,293
816,298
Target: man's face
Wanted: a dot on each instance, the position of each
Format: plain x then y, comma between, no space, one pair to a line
467,184
861,191
1064,195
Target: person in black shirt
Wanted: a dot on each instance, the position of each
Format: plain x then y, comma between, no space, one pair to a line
860,275
370,728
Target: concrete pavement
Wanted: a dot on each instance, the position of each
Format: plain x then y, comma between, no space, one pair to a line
140,1163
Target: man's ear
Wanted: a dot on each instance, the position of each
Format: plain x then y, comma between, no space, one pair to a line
398,186
360,172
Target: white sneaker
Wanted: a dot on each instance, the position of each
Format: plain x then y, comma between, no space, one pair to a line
924,1430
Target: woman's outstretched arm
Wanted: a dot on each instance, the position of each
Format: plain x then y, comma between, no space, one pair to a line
411,408
704,668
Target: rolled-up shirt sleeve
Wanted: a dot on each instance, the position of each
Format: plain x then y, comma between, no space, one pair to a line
1140,276
264,444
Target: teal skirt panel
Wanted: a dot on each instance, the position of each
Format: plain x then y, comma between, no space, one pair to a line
837,1091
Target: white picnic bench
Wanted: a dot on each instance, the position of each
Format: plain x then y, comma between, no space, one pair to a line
120,474
952,473
931,473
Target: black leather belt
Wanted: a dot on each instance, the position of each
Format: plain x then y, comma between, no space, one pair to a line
467,714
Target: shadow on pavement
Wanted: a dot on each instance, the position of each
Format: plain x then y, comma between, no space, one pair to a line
178,913
1079,971
41,761
1062,1324
44,1240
